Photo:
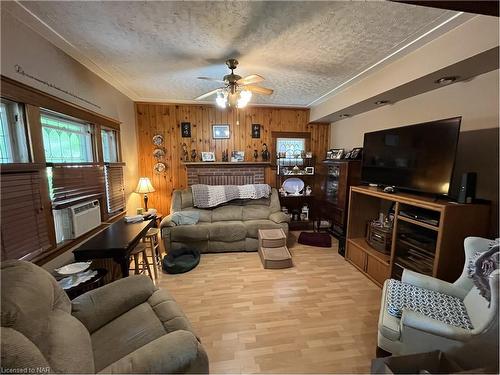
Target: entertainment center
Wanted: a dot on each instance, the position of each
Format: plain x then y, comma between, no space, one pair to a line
435,250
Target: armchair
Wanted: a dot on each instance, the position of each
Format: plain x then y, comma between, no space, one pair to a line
415,330
128,326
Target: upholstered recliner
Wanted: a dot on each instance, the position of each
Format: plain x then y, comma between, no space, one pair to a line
415,332
230,227
127,326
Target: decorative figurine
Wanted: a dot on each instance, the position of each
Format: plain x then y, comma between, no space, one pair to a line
193,155
185,154
308,190
225,157
265,152
255,154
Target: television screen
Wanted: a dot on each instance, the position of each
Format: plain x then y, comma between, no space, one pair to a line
418,157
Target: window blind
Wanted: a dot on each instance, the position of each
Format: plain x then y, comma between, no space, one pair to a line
115,189
24,227
73,182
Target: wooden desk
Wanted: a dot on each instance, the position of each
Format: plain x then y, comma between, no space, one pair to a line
115,242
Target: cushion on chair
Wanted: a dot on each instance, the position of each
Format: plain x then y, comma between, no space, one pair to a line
447,309
480,267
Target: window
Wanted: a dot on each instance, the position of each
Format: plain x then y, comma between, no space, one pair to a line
66,140
13,144
292,147
109,145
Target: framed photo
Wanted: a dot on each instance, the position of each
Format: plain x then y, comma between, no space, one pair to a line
186,129
255,130
309,170
237,156
220,131
356,153
336,153
309,154
207,156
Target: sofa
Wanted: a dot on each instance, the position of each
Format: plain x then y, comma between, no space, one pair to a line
229,227
128,326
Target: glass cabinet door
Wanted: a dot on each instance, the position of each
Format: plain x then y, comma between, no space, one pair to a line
332,183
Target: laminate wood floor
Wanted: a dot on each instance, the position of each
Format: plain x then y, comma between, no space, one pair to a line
318,317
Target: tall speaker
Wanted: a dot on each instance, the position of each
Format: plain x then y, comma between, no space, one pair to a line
467,191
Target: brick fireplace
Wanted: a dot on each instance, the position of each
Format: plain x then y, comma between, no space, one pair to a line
226,173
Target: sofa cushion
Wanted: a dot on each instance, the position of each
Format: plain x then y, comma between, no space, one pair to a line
229,212
188,233
205,215
123,335
253,226
255,212
228,231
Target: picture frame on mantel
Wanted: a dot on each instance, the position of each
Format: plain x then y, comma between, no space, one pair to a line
186,129
220,131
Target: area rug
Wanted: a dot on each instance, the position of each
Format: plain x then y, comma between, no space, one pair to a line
315,239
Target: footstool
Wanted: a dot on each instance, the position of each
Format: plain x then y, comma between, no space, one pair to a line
272,249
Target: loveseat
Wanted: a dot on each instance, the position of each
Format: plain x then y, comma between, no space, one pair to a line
128,326
229,227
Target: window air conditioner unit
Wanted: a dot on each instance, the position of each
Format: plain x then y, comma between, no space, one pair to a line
76,220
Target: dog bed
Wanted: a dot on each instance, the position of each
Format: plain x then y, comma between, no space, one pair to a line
181,260
315,239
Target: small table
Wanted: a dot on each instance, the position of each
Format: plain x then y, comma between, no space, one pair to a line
115,242
95,282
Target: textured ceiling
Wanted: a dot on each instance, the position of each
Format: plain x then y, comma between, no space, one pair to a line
303,49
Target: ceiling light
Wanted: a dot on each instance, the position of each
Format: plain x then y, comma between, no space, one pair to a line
381,102
344,115
446,80
221,99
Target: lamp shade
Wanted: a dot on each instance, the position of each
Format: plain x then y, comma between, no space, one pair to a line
144,186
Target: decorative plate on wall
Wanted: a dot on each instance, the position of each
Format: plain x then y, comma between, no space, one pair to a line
158,140
158,153
159,168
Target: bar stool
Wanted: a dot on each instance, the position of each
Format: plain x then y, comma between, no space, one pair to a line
152,241
141,266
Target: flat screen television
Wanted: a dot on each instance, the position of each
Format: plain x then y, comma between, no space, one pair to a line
417,157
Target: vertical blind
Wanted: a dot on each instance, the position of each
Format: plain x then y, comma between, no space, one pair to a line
24,226
115,195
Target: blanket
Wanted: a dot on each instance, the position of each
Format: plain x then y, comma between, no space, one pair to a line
207,196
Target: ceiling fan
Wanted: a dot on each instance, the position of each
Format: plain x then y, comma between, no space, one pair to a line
237,91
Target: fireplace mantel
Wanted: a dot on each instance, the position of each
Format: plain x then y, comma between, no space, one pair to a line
226,163
226,173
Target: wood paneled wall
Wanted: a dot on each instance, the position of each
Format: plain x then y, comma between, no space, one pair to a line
165,119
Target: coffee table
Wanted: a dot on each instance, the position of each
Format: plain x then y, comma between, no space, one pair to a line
115,242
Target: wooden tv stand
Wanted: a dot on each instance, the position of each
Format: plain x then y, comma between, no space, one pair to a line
442,252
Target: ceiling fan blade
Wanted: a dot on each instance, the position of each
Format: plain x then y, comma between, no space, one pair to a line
259,90
252,78
207,94
211,79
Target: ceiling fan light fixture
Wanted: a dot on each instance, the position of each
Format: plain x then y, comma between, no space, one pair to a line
244,98
221,99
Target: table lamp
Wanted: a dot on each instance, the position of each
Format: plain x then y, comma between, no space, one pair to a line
144,187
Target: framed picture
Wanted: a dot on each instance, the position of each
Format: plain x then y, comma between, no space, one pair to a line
237,156
255,130
356,153
309,154
186,129
220,131
309,170
336,153
207,156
